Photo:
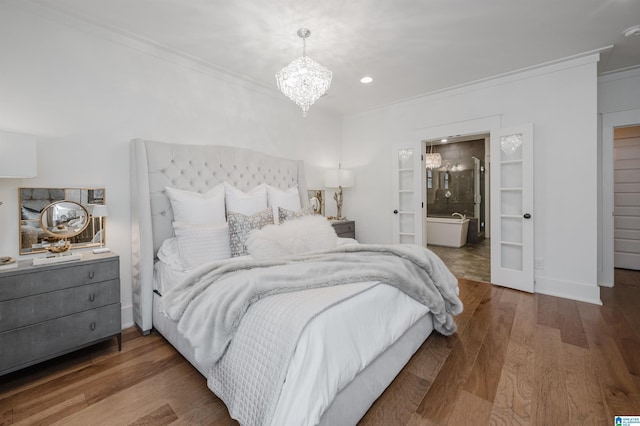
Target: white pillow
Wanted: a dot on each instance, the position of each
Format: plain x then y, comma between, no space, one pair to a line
303,235
195,208
198,244
246,203
288,199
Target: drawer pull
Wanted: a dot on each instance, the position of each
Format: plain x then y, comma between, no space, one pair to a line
92,297
92,326
91,274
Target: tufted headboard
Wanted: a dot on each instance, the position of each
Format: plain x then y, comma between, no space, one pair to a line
156,165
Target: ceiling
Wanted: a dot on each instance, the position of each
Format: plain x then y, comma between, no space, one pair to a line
409,47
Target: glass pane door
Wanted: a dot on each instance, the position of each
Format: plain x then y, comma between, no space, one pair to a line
512,207
406,188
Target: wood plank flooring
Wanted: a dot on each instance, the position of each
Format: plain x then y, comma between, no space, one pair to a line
517,358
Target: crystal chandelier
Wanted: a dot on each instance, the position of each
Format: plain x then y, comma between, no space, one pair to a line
432,160
304,80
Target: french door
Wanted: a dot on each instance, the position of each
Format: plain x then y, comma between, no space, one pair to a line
512,263
407,174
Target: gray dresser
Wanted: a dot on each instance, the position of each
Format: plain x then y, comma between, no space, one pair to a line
344,228
49,310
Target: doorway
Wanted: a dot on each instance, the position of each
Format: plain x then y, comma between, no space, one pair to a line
606,193
457,202
626,197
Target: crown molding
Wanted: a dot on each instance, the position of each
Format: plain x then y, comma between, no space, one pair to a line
620,74
556,65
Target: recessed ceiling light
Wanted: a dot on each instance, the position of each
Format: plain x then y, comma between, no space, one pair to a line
443,140
366,79
632,31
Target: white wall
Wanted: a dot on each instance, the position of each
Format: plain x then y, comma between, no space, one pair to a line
85,93
618,105
561,101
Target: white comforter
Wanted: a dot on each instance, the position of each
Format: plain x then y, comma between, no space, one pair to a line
336,354
413,269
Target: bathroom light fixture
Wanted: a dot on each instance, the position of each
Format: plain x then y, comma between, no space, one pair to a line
432,160
443,140
304,80
366,79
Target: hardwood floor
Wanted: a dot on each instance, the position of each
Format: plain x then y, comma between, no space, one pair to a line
517,358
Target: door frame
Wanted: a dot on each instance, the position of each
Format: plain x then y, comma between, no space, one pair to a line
606,192
482,125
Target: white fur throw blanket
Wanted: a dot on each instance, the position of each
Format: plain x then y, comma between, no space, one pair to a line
211,322
306,234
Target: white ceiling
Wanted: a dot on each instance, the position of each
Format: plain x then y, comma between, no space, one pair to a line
409,47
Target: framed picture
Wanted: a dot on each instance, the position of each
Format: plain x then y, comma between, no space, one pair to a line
96,196
316,200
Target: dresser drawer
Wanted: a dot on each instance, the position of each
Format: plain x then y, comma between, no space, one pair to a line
27,345
345,229
71,274
46,306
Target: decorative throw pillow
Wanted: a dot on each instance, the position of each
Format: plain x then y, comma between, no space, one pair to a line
303,235
285,215
241,225
198,244
195,208
288,199
247,203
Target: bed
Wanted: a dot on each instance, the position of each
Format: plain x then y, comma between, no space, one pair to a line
310,388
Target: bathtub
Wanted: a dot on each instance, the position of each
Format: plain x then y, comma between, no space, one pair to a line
448,232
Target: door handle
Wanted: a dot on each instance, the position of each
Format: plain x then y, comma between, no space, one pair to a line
527,216
395,212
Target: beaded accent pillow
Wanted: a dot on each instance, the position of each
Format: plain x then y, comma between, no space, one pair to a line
286,214
240,225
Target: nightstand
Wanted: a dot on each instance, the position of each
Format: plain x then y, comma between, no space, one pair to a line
344,228
49,310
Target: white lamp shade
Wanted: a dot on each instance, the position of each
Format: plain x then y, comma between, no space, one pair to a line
99,210
18,157
338,177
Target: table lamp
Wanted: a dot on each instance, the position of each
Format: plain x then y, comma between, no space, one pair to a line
338,178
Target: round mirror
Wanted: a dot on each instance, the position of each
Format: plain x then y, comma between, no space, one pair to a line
64,219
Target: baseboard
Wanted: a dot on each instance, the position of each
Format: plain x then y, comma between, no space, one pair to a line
568,290
127,316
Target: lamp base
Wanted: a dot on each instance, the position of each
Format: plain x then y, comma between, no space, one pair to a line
338,197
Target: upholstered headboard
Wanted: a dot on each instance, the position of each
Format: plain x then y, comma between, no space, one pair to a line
156,165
